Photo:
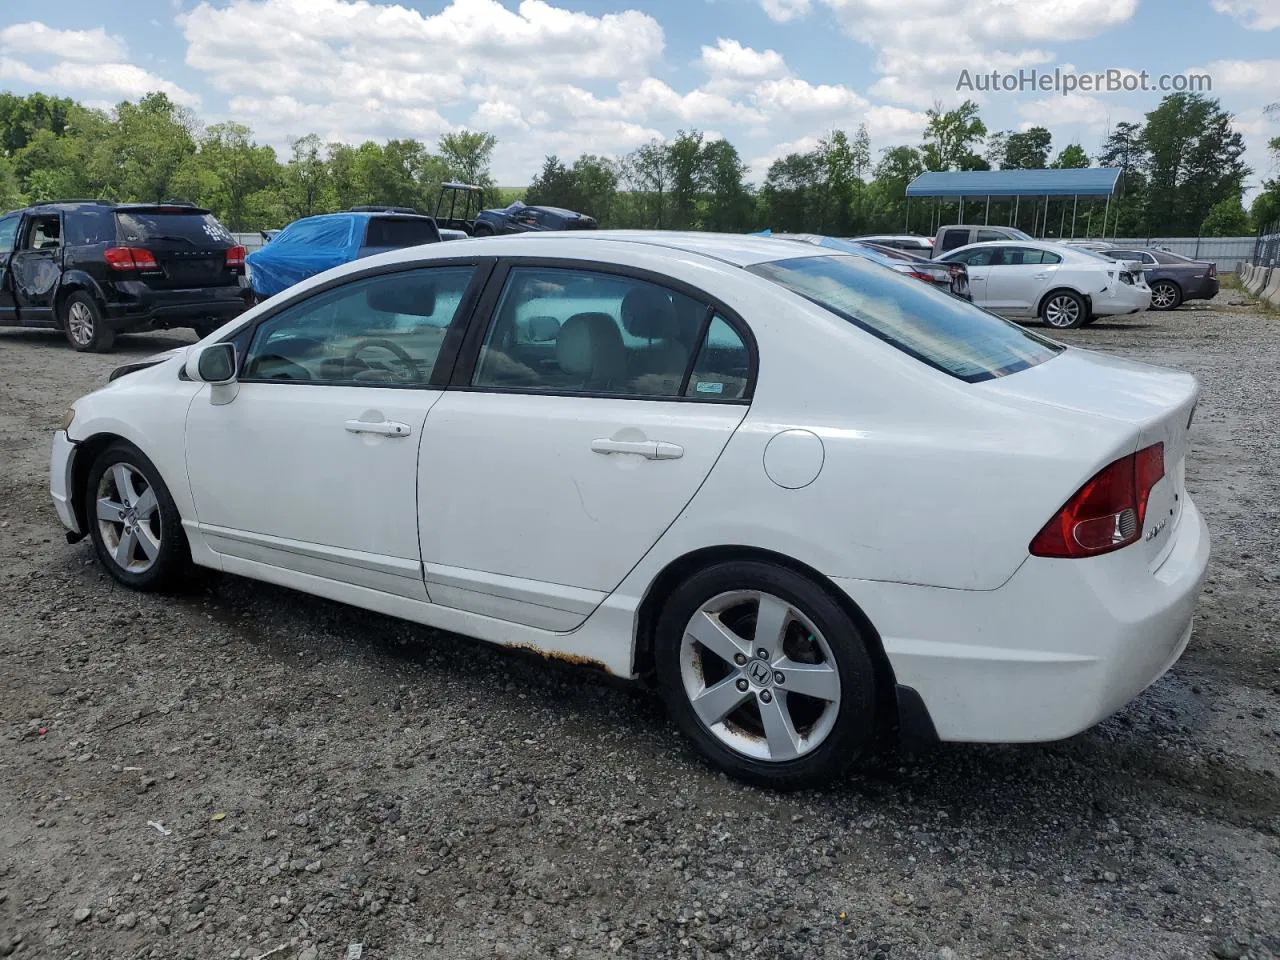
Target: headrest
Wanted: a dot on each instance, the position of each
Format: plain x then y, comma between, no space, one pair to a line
590,346
648,312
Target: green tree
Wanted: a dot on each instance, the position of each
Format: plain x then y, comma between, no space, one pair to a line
21,118
231,168
468,153
647,170
728,205
840,184
151,141
595,186
1195,162
792,192
685,163
1027,150
1126,147
885,206
553,186
1227,219
1072,157
950,136
10,193
305,178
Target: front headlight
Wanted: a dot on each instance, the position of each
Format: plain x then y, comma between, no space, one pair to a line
67,418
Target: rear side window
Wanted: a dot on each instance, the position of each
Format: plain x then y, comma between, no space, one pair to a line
400,232
90,226
985,236
955,238
140,226
936,328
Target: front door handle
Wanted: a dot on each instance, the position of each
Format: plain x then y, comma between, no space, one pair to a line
387,428
649,449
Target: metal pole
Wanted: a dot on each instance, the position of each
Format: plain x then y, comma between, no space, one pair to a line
1062,222
962,209
1075,202
1015,211
906,227
1106,211
1044,227
986,217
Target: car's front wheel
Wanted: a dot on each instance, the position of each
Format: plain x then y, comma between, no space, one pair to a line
1165,295
1063,310
767,674
133,522
83,324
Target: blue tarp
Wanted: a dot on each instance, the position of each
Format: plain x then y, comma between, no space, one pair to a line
304,248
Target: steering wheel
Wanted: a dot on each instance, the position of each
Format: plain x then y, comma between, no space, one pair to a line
402,358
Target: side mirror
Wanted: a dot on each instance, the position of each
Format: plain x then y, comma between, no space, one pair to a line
214,364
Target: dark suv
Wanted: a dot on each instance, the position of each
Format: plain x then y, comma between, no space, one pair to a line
93,268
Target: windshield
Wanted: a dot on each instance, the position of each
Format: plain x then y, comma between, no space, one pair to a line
945,332
139,226
400,232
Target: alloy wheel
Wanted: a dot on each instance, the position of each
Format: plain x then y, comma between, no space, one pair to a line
760,675
1163,296
80,322
129,518
1062,311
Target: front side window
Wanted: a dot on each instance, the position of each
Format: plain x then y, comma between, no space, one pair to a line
954,238
9,231
45,233
936,328
378,331
579,332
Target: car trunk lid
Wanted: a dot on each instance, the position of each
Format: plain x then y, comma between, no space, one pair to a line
1157,403
188,244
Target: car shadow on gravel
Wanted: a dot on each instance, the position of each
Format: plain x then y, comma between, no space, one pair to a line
1011,789
134,344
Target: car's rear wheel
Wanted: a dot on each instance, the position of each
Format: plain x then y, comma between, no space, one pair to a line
1165,295
767,674
83,324
133,522
1063,310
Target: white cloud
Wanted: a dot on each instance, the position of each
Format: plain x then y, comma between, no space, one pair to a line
730,63
1255,76
84,46
784,11
759,165
121,81
1073,113
1254,14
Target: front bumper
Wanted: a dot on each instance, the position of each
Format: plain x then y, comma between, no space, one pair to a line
1059,647
133,305
61,486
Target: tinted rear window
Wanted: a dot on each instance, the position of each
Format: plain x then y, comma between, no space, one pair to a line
400,232
92,225
949,334
202,229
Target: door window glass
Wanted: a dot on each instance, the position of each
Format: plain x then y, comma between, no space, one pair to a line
8,232
954,238
384,331
723,366
571,331
987,235
1029,257
44,234
982,257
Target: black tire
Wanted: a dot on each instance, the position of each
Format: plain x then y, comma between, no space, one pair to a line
854,728
83,324
1092,318
1173,292
204,329
172,560
1063,310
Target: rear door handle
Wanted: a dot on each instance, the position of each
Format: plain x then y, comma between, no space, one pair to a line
387,428
1040,276
649,449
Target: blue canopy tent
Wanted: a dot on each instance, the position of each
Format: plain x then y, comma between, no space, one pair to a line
1087,182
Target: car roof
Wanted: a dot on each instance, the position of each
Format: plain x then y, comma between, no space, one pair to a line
562,211
734,248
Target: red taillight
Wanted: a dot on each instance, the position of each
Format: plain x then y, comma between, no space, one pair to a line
1107,513
130,258
927,277
235,257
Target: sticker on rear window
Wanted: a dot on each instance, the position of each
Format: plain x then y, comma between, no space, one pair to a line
710,388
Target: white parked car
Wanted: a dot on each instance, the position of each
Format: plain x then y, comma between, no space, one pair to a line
1064,286
816,501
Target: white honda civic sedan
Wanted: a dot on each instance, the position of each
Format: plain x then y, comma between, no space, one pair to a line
1063,286
813,501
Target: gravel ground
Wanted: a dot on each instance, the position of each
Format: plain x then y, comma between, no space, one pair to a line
242,771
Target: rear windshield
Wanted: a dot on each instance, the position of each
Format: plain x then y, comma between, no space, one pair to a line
201,229
400,232
936,328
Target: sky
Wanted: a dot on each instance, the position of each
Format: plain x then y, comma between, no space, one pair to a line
603,76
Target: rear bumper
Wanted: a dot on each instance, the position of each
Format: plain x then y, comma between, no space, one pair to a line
1060,646
1205,289
136,306
1121,298
61,462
